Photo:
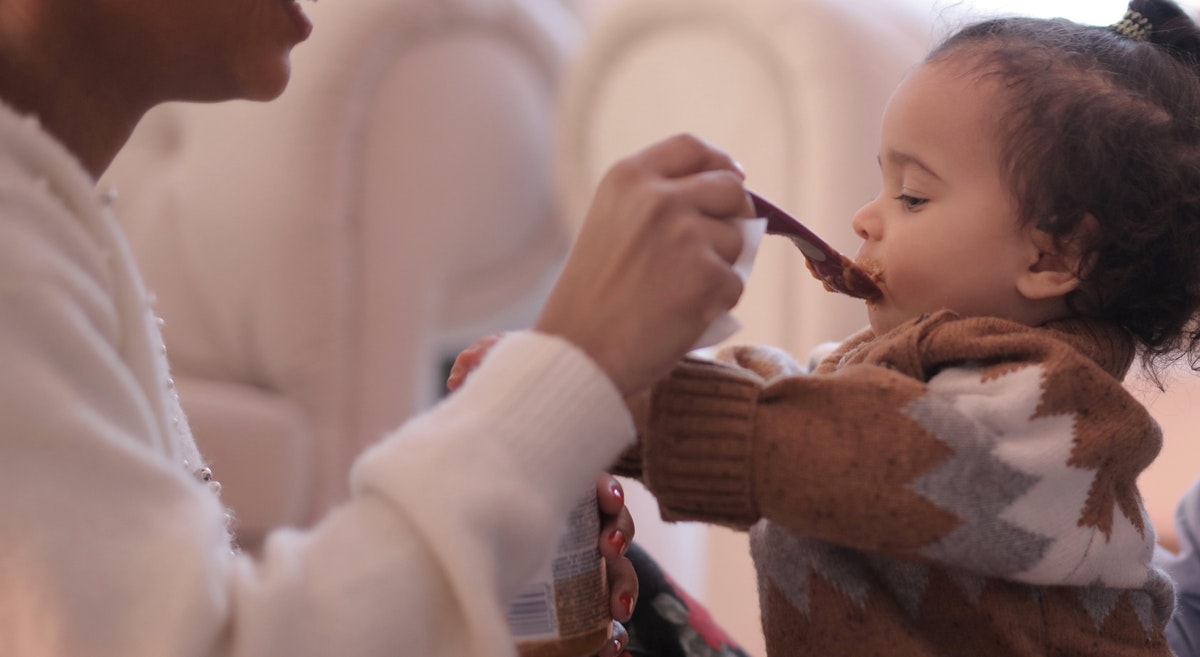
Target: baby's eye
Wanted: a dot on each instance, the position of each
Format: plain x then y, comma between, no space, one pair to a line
910,202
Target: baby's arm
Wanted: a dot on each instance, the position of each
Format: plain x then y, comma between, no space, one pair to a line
766,362
966,469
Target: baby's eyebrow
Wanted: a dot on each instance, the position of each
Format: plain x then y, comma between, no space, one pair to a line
902,159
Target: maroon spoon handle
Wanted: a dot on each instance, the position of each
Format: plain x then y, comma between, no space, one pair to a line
835,270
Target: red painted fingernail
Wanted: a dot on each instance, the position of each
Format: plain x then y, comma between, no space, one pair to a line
617,491
617,539
627,602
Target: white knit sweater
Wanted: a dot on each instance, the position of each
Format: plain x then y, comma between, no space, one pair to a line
110,546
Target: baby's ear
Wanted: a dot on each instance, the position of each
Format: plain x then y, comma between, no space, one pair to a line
1054,269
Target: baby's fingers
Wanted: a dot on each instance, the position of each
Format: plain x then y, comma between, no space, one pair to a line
469,359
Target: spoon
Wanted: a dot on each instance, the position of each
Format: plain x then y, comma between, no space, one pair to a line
836,271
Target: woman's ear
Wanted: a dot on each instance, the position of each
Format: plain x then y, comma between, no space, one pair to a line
1053,270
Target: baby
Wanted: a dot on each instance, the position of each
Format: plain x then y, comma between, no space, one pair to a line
960,477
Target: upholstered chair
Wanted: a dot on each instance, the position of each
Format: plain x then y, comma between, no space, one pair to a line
318,259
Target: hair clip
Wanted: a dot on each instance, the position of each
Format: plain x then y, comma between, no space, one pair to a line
1134,26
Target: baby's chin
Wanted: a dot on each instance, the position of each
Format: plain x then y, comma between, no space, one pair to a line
883,318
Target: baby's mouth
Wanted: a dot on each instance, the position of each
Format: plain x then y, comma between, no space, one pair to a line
874,271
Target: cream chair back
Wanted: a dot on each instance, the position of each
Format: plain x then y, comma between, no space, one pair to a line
319,257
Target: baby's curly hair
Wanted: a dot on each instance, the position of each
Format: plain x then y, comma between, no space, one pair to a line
1107,126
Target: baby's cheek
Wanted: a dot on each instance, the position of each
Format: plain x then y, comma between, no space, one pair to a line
896,281
914,291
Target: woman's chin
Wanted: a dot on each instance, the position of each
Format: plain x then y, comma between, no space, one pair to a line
265,80
269,81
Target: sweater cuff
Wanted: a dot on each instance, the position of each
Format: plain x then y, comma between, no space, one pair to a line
565,415
697,452
537,408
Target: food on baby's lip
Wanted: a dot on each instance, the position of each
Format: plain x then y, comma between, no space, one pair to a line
874,273
874,270
869,268
848,278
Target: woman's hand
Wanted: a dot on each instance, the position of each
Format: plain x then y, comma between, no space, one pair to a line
616,533
652,265
616,523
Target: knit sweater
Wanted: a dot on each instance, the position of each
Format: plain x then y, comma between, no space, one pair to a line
953,487
110,547
1183,633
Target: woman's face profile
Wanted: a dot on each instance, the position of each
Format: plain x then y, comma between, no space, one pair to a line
201,50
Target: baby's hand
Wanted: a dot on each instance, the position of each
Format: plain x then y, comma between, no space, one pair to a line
616,533
469,359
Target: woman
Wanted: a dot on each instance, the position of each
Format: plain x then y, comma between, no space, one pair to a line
112,541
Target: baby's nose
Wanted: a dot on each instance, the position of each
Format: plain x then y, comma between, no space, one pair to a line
866,222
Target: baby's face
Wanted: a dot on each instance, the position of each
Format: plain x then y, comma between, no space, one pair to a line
943,232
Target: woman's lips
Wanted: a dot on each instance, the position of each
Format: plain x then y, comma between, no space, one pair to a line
303,25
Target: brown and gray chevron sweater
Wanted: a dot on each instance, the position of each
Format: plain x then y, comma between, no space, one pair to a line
954,487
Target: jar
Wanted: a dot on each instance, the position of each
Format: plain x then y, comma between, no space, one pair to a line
564,610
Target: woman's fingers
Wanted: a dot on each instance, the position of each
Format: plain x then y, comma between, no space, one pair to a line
616,533
622,587
720,195
652,265
616,642
617,528
610,495
685,154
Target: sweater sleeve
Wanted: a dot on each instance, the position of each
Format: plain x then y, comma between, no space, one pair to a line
1183,632
1019,462
109,547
